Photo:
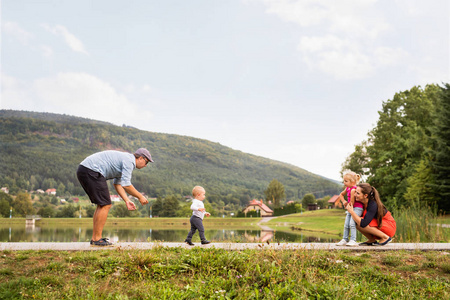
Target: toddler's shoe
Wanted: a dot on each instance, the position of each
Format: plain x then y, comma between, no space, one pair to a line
342,243
352,243
205,242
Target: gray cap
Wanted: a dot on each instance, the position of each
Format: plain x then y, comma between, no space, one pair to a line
144,152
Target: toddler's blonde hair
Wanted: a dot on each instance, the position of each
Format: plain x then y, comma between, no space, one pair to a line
352,176
196,190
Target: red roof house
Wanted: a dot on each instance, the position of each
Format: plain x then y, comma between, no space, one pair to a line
258,205
335,202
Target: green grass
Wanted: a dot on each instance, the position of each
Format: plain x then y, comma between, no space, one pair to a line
329,221
199,273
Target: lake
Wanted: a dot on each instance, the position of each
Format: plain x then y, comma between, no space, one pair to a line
83,233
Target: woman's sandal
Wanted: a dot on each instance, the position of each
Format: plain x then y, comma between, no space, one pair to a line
386,242
368,243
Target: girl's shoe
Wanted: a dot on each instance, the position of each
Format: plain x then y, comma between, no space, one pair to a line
342,243
352,243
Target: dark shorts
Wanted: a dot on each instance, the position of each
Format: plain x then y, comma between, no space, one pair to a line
94,184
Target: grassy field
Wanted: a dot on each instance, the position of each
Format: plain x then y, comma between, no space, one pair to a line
208,273
329,221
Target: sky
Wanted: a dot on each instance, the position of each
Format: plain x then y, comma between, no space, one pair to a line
299,82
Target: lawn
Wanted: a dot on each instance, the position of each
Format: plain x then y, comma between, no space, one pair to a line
329,221
208,273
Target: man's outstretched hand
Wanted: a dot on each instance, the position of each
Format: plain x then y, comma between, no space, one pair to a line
130,205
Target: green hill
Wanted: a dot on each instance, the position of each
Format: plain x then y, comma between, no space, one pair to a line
43,150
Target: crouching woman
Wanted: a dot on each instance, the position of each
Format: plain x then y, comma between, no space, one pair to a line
376,222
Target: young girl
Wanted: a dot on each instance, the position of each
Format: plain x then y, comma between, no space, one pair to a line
351,179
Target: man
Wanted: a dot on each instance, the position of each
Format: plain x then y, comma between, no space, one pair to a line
96,169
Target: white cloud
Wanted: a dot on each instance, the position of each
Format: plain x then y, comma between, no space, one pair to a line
15,94
341,58
77,94
350,17
344,36
14,29
85,95
71,40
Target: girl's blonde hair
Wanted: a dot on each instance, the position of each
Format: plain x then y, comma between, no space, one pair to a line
352,176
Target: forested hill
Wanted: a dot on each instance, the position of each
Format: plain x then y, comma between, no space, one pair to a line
43,150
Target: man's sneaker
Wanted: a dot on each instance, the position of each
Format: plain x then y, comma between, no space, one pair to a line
352,243
101,242
342,243
205,242
189,242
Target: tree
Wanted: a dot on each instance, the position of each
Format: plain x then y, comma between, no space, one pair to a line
120,210
22,205
308,199
398,143
68,211
440,136
46,212
185,211
275,192
357,161
157,207
171,206
90,210
4,208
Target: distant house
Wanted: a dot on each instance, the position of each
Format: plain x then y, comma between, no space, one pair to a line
39,191
5,190
75,199
260,207
62,201
51,191
334,202
115,198
289,202
313,206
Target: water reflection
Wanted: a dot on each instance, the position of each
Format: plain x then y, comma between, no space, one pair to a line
84,234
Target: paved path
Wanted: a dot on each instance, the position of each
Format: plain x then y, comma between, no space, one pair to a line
227,246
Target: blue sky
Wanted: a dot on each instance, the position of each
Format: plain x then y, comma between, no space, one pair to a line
294,81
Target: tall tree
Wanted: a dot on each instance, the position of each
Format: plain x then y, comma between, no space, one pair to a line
171,206
22,205
157,207
440,151
397,144
308,199
275,192
357,161
419,185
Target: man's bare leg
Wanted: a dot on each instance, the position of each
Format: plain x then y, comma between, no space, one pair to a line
100,216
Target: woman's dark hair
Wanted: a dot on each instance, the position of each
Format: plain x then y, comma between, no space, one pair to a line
373,194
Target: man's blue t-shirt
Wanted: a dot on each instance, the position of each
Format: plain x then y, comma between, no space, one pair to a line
112,164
